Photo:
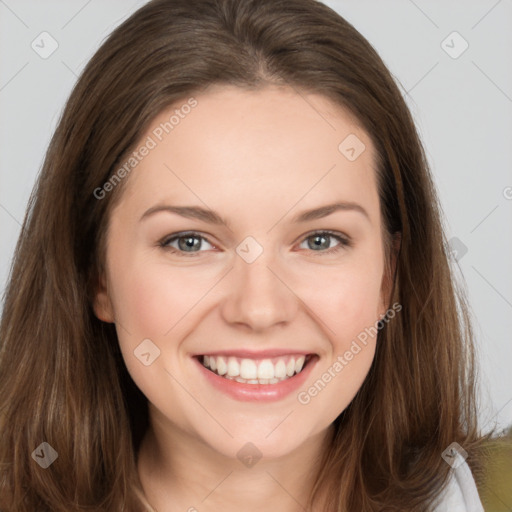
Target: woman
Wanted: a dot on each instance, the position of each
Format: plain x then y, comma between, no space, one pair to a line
231,289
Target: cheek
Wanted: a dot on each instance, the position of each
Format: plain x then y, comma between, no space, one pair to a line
151,298
154,301
348,308
358,304
346,299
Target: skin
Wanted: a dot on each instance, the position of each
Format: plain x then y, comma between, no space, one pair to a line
258,158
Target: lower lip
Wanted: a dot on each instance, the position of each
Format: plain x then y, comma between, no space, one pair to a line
257,392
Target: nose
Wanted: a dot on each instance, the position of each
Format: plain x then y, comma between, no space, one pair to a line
259,296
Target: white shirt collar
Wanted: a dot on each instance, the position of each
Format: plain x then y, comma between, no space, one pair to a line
461,494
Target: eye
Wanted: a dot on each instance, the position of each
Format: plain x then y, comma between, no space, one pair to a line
187,243
321,240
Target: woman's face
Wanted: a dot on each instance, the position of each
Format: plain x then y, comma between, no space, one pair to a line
260,294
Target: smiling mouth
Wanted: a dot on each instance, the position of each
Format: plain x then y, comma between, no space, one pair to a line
256,371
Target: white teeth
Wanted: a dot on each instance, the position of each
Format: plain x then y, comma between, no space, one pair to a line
248,369
251,371
233,367
280,369
266,369
222,367
290,367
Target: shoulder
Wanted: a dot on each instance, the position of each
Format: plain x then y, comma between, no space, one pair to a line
461,494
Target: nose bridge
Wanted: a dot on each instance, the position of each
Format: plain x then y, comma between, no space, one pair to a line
258,297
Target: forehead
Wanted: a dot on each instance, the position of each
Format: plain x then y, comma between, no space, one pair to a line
276,143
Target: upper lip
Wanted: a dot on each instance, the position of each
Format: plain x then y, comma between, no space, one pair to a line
251,354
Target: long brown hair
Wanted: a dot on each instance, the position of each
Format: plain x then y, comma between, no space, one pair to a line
62,377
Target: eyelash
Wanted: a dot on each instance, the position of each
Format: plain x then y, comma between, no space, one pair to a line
343,242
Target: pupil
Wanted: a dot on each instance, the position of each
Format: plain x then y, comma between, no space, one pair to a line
190,242
319,244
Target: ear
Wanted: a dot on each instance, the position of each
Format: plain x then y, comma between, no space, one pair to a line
102,304
389,272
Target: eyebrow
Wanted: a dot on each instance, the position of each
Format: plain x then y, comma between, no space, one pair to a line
324,211
212,217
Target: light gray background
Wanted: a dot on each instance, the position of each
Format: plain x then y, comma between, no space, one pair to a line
462,106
